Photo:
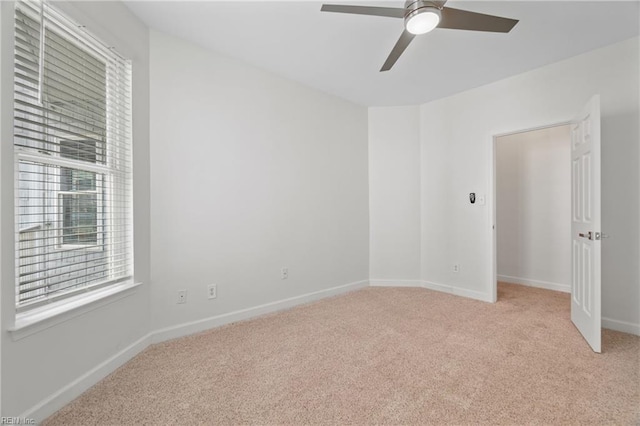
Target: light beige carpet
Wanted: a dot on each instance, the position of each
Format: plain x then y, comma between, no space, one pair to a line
380,356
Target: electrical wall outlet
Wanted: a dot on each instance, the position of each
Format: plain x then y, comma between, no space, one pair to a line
182,296
284,273
456,268
212,291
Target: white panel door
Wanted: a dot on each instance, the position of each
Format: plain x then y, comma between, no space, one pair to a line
585,223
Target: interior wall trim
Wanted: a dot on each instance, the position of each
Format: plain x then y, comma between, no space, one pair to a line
430,285
623,326
71,391
563,287
68,393
75,388
187,328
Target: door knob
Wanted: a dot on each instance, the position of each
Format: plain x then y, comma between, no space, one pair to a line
587,235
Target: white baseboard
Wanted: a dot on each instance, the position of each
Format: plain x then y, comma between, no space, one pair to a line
565,288
68,393
395,283
623,326
432,286
457,291
185,329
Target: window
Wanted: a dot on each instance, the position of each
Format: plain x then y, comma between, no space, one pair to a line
72,142
78,196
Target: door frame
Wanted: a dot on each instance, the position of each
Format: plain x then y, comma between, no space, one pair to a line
493,269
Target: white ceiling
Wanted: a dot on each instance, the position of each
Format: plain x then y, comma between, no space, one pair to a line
342,53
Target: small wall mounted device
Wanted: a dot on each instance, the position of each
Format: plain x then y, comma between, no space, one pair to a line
472,197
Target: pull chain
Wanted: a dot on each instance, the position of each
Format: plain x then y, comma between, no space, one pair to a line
41,54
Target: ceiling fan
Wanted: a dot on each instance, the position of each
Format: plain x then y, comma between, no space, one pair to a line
422,16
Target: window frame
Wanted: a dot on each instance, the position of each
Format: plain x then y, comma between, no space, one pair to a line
99,191
98,245
110,170
26,156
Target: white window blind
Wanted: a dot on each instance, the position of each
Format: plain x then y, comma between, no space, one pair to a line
72,144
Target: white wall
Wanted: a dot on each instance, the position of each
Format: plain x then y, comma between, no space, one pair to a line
394,194
466,123
38,368
456,152
533,208
250,173
456,136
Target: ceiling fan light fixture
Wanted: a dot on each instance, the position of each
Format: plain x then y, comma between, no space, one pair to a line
422,20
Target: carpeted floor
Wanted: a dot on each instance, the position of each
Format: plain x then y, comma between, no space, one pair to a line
380,356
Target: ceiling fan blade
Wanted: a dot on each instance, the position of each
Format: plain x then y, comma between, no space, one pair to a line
391,12
397,50
465,20
439,4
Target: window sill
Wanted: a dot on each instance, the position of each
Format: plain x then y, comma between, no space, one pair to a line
41,318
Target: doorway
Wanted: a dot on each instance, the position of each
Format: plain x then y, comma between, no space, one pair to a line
532,211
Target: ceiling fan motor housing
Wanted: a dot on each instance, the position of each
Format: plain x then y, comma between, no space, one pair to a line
413,5
415,8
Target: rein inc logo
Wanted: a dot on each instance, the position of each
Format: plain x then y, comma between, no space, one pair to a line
17,421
